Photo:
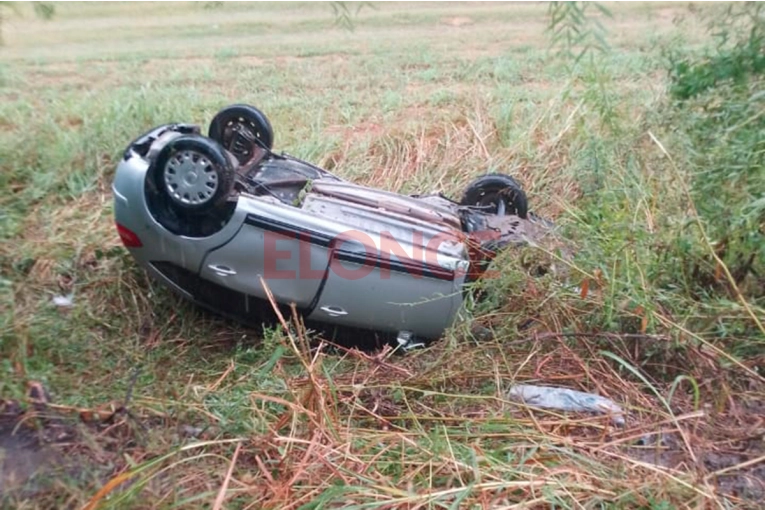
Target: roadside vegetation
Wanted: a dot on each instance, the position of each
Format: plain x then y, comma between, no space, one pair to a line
637,128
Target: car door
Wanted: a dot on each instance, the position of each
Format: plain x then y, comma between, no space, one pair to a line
388,272
279,248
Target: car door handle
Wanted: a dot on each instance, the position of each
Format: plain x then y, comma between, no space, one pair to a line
334,311
222,270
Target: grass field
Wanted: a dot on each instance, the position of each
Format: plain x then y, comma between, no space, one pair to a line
155,404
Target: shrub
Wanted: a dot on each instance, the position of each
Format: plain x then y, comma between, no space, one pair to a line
719,117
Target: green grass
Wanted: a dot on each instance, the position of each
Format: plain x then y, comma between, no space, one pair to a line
420,97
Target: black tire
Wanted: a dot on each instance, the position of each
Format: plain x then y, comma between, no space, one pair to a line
237,127
488,191
142,144
201,158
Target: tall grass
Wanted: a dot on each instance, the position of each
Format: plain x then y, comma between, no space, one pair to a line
719,106
627,297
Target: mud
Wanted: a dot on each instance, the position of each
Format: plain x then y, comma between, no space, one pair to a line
27,461
728,452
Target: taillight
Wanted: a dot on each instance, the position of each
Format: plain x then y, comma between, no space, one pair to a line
128,237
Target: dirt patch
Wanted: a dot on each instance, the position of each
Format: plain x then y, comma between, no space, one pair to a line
23,457
43,445
457,21
28,462
733,464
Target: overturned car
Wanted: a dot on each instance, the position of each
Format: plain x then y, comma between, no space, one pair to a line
231,225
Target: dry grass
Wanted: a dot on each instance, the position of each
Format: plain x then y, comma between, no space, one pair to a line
155,404
382,432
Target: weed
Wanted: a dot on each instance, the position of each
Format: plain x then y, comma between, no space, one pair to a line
625,298
719,124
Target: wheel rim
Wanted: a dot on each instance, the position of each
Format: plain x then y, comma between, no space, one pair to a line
239,137
190,178
494,203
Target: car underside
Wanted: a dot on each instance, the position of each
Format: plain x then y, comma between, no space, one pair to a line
237,228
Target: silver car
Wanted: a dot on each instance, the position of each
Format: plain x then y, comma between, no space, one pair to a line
226,222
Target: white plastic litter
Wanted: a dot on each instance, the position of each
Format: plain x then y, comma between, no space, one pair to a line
564,399
64,301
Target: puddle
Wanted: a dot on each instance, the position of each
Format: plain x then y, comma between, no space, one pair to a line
739,478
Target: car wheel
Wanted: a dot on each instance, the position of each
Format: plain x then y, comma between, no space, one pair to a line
193,173
240,129
496,194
